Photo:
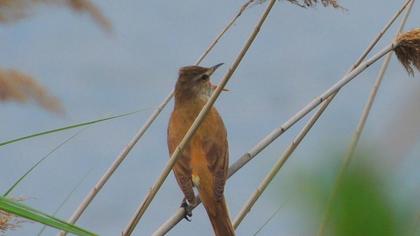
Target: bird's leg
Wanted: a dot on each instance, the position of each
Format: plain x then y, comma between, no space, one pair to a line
188,209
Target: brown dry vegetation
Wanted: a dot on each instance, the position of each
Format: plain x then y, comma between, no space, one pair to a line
408,50
8,222
14,10
19,87
311,3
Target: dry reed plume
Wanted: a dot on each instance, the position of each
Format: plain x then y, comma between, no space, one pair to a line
408,50
311,3
16,86
9,221
13,10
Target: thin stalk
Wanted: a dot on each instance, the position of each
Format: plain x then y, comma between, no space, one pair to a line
152,193
228,26
101,182
66,199
280,162
39,162
358,132
269,219
78,125
121,157
279,131
269,177
341,83
381,34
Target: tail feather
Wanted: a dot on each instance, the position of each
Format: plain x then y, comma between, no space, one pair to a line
219,216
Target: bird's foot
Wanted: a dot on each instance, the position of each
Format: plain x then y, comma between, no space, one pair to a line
188,209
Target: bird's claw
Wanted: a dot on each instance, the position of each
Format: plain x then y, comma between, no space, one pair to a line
188,210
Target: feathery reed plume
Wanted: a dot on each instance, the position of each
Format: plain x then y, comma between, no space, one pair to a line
19,87
408,50
95,13
311,3
9,221
14,10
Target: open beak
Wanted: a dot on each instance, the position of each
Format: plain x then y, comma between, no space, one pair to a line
213,86
211,71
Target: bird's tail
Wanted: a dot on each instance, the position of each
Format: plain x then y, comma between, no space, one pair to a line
219,215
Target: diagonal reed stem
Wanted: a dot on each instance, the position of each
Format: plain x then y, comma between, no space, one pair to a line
69,195
280,162
245,158
155,188
121,157
358,132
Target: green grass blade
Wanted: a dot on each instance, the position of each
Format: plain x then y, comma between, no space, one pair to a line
66,199
69,127
24,211
269,219
39,162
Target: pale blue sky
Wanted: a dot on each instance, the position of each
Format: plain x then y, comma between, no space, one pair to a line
298,54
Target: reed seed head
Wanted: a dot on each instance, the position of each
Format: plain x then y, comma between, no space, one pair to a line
9,221
19,87
14,10
408,50
312,3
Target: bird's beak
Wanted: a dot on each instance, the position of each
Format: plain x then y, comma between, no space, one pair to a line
213,68
211,71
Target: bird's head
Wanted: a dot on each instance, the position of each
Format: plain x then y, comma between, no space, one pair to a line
194,82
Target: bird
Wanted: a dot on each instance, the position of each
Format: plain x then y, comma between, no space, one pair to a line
203,163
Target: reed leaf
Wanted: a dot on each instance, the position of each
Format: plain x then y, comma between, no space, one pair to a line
67,198
9,222
38,163
29,213
73,126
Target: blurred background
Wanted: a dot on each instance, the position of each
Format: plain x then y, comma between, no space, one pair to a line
298,54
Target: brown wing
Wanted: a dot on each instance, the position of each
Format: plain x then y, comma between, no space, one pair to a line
216,152
182,168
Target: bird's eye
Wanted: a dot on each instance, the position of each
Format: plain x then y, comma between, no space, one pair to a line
204,77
